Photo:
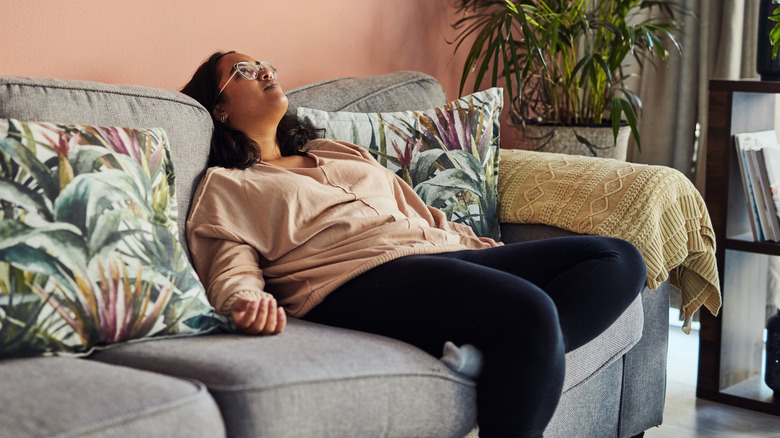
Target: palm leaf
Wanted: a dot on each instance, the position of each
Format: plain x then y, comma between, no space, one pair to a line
88,196
34,260
423,167
30,200
24,328
27,160
115,308
444,186
60,240
108,231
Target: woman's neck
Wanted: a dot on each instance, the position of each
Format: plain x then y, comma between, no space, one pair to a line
269,146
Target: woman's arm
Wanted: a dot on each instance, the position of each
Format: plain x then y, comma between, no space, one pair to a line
229,268
230,271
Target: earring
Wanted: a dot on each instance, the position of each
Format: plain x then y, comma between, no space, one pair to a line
223,119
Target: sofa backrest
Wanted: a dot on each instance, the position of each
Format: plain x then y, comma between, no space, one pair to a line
399,91
186,122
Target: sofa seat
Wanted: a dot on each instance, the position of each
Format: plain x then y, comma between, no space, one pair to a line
314,380
67,397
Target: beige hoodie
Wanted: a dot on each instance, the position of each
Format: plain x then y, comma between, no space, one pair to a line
300,233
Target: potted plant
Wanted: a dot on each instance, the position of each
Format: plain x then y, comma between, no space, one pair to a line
767,64
563,61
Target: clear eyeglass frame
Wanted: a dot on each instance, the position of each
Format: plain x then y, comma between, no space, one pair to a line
251,71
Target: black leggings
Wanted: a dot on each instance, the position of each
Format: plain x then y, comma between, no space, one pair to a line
523,305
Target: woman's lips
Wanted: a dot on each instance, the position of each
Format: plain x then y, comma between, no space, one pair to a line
271,85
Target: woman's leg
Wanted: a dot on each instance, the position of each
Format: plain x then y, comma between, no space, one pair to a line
427,300
591,279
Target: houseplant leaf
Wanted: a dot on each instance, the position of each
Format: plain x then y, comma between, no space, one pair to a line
562,61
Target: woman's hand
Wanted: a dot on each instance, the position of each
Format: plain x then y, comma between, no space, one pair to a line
255,315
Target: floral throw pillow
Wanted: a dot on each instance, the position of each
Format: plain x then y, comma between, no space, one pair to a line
448,154
89,254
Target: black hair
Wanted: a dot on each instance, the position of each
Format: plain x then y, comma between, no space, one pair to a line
232,148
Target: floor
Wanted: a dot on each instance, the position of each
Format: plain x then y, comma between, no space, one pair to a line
687,417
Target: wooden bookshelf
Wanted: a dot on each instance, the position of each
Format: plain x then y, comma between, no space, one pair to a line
731,345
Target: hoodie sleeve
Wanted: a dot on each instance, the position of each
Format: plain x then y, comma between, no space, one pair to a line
227,266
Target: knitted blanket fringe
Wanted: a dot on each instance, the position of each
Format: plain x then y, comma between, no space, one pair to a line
654,207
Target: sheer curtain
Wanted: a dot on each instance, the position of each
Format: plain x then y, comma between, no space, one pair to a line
719,41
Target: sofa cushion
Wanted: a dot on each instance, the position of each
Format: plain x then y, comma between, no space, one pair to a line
88,222
187,124
315,381
68,397
449,153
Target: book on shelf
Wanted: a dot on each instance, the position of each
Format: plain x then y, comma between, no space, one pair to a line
758,154
771,155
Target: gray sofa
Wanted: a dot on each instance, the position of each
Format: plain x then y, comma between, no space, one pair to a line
312,380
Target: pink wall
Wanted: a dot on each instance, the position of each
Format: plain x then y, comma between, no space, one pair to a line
160,43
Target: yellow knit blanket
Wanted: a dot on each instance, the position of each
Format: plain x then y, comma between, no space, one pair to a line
654,207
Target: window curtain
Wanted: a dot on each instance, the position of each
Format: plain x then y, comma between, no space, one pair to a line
719,42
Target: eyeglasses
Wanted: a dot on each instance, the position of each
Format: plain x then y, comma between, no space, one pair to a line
251,71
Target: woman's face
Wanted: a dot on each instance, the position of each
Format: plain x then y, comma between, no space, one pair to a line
248,105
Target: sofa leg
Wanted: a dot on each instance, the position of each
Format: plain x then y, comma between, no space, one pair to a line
639,435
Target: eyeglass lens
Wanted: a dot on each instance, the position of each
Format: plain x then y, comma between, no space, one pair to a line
252,71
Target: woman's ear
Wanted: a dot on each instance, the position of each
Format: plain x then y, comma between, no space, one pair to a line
219,113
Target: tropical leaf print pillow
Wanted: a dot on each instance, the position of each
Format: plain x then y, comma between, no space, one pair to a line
88,249
448,154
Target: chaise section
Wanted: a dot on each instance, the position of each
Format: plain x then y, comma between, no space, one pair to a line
68,397
315,381
638,392
588,360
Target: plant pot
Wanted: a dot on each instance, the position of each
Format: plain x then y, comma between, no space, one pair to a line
595,141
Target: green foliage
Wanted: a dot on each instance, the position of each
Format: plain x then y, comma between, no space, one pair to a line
449,162
563,60
774,34
22,329
110,309
88,255
447,154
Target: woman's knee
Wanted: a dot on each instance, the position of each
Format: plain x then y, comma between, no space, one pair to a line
530,315
620,256
629,254
630,261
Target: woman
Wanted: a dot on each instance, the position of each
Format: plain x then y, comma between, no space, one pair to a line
321,228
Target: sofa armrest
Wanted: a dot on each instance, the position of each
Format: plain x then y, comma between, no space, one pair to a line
654,207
